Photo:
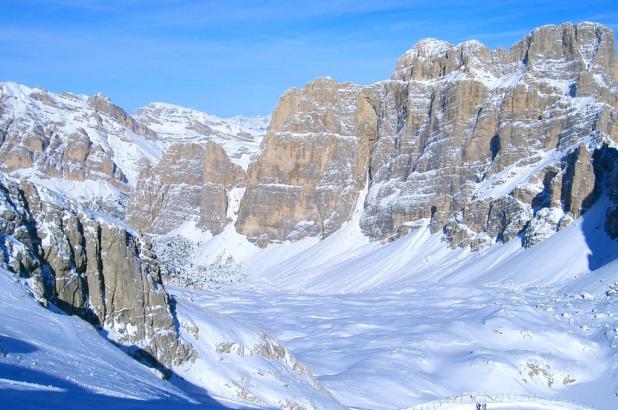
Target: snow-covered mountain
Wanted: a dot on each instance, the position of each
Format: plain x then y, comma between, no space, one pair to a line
444,236
239,136
91,150
490,146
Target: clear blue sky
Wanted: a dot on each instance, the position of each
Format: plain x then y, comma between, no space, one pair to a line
229,57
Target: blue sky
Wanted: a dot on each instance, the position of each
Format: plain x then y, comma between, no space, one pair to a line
228,57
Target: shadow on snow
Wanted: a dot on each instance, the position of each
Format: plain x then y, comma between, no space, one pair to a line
26,388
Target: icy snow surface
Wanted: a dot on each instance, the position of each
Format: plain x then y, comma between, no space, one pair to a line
346,321
412,322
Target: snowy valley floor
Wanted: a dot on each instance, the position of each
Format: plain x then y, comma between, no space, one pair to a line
426,342
406,347
409,323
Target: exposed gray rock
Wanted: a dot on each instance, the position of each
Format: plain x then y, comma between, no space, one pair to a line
190,183
578,192
476,141
102,104
545,223
313,163
606,183
89,266
470,117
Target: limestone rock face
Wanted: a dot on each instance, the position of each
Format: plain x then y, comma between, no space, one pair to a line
101,104
605,161
66,140
579,182
191,181
89,267
483,221
472,118
71,137
73,157
90,150
313,163
478,142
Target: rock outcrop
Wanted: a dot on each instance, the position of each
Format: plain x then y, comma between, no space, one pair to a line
67,140
190,183
473,121
89,266
605,162
90,150
101,104
71,137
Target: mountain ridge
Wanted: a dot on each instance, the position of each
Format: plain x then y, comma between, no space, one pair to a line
464,159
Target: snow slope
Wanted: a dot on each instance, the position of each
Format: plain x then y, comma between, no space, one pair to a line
59,361
404,323
243,362
352,323
347,261
393,349
572,253
53,360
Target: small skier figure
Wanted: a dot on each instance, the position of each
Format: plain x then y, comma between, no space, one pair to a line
484,406
478,406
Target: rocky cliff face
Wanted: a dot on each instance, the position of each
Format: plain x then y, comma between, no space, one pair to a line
70,136
86,145
477,128
313,163
89,266
482,143
90,150
190,183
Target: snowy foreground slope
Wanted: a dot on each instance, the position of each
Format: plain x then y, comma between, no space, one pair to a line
59,361
53,360
349,323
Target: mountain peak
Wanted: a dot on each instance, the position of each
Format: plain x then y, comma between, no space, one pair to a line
430,47
590,44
